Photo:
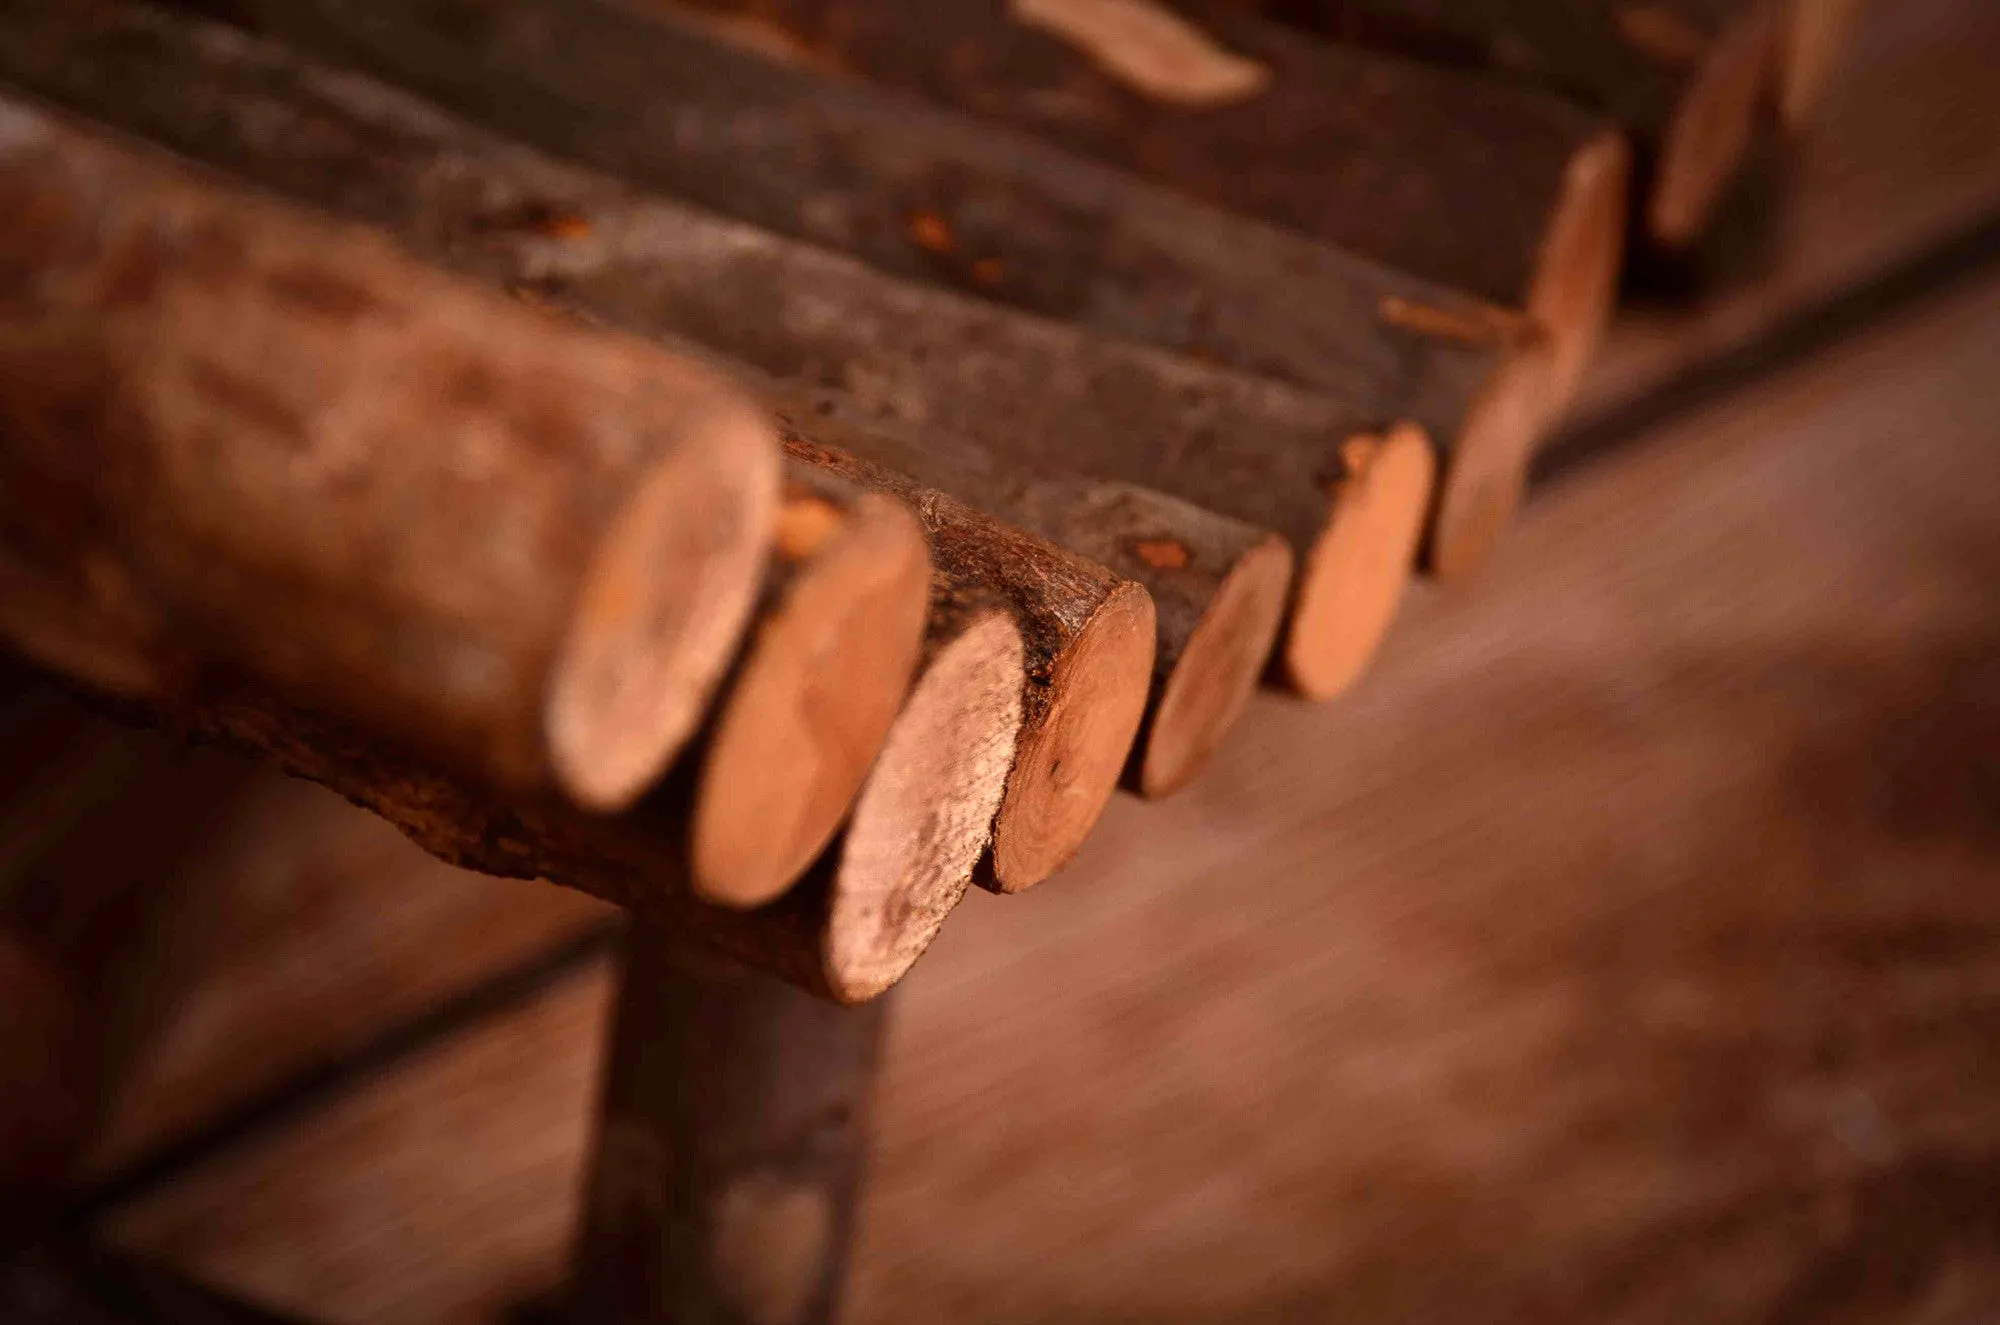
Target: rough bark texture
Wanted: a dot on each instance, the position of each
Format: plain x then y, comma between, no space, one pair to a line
1088,641
924,194
637,860
241,441
730,1144
1379,155
824,669
1684,77
1219,586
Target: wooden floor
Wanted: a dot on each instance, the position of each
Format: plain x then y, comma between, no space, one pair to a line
1628,949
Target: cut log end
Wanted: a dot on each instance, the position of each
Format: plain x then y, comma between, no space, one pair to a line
1709,135
1218,667
820,685
1576,276
1486,472
1355,571
926,814
660,610
1068,765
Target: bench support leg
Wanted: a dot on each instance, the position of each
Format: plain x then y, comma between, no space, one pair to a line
729,1148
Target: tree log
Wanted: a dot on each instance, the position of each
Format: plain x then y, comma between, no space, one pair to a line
1218,585
1686,78
823,673
728,1156
1378,155
1088,642
917,360
236,440
922,193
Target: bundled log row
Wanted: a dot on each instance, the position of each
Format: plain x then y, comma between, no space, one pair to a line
810,501
930,197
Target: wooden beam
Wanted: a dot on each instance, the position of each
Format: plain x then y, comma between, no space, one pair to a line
1686,78
243,442
822,676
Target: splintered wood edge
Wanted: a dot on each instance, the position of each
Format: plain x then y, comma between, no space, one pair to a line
926,814
1068,766
1486,470
1708,136
1576,273
1219,667
660,610
1354,573
815,697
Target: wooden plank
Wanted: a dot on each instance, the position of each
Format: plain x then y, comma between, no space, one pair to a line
445,1194
1626,950
1903,155
325,925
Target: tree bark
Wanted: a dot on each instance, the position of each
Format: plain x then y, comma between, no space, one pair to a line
852,926
1686,78
1087,639
1378,155
824,670
241,442
731,1137
924,194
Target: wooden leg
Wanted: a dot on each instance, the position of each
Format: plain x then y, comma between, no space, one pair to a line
729,1148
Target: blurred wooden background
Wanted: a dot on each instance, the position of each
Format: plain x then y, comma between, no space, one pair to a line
1628,949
